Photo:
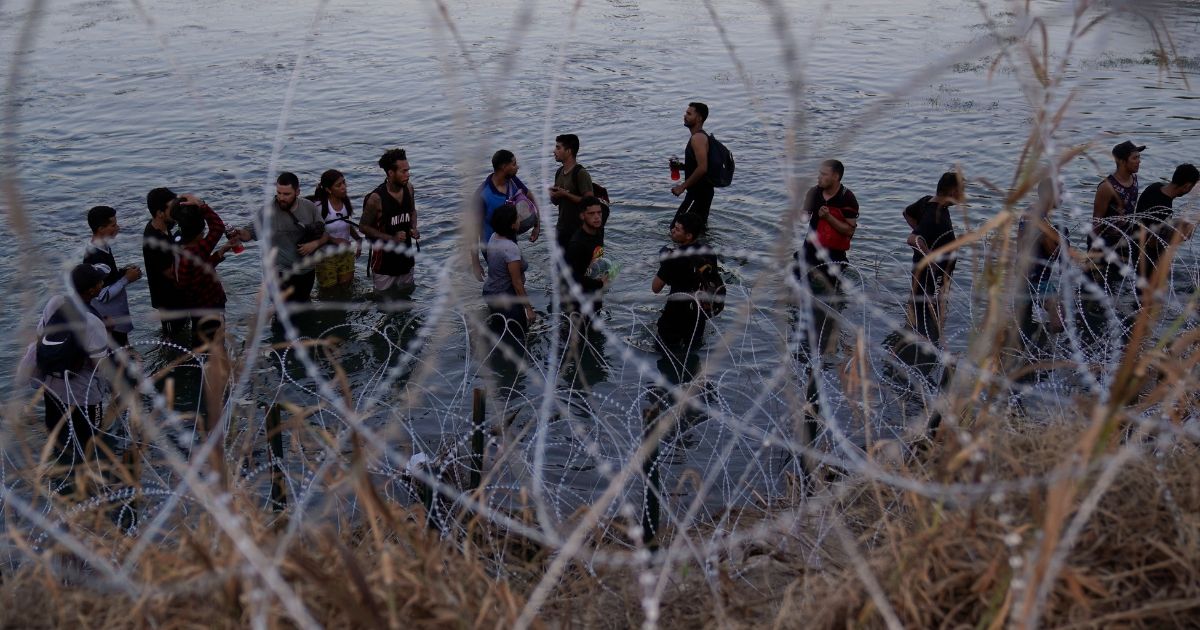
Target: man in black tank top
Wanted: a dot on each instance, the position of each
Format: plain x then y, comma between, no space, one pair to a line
390,221
699,189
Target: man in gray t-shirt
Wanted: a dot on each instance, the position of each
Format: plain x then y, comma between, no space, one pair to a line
297,232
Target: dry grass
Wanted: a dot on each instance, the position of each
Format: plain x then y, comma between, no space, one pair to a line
405,577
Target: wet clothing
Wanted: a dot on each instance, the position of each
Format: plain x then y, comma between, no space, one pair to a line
578,182
113,302
933,224
582,249
506,311
1154,210
196,268
298,287
827,262
333,266
491,198
82,387
936,228
159,257
394,217
383,282
1044,258
288,227
1154,206
500,252
335,224
682,322
1113,230
699,197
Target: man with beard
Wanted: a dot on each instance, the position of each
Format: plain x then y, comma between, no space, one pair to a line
696,184
390,216
297,232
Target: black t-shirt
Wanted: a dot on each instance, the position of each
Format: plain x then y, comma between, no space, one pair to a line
581,251
681,272
933,224
159,261
1154,206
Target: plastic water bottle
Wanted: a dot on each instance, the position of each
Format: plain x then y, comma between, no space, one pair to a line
674,168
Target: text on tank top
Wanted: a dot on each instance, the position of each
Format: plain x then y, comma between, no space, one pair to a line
396,217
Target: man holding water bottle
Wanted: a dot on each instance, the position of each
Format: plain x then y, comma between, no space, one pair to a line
696,184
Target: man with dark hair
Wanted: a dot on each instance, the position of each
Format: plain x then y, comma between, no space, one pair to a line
1116,200
297,232
572,183
832,212
696,184
158,243
682,323
390,217
1155,212
932,228
113,302
585,247
65,360
501,187
200,229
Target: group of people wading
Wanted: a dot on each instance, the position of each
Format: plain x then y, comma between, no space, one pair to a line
1131,232
315,241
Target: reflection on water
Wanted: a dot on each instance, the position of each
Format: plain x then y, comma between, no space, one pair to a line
106,113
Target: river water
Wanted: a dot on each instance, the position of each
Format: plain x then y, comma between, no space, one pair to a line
213,97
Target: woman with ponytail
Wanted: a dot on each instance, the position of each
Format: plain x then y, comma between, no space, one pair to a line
336,270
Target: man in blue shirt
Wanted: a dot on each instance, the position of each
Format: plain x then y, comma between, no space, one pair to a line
499,188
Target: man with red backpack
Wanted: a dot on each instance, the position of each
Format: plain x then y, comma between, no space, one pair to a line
832,219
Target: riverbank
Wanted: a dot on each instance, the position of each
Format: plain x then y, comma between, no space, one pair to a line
979,534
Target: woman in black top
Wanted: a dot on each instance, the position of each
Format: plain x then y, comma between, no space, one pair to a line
932,228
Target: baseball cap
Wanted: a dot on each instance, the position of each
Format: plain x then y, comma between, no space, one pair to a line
1125,149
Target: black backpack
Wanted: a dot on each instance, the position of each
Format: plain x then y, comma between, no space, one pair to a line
711,293
598,192
58,349
720,163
